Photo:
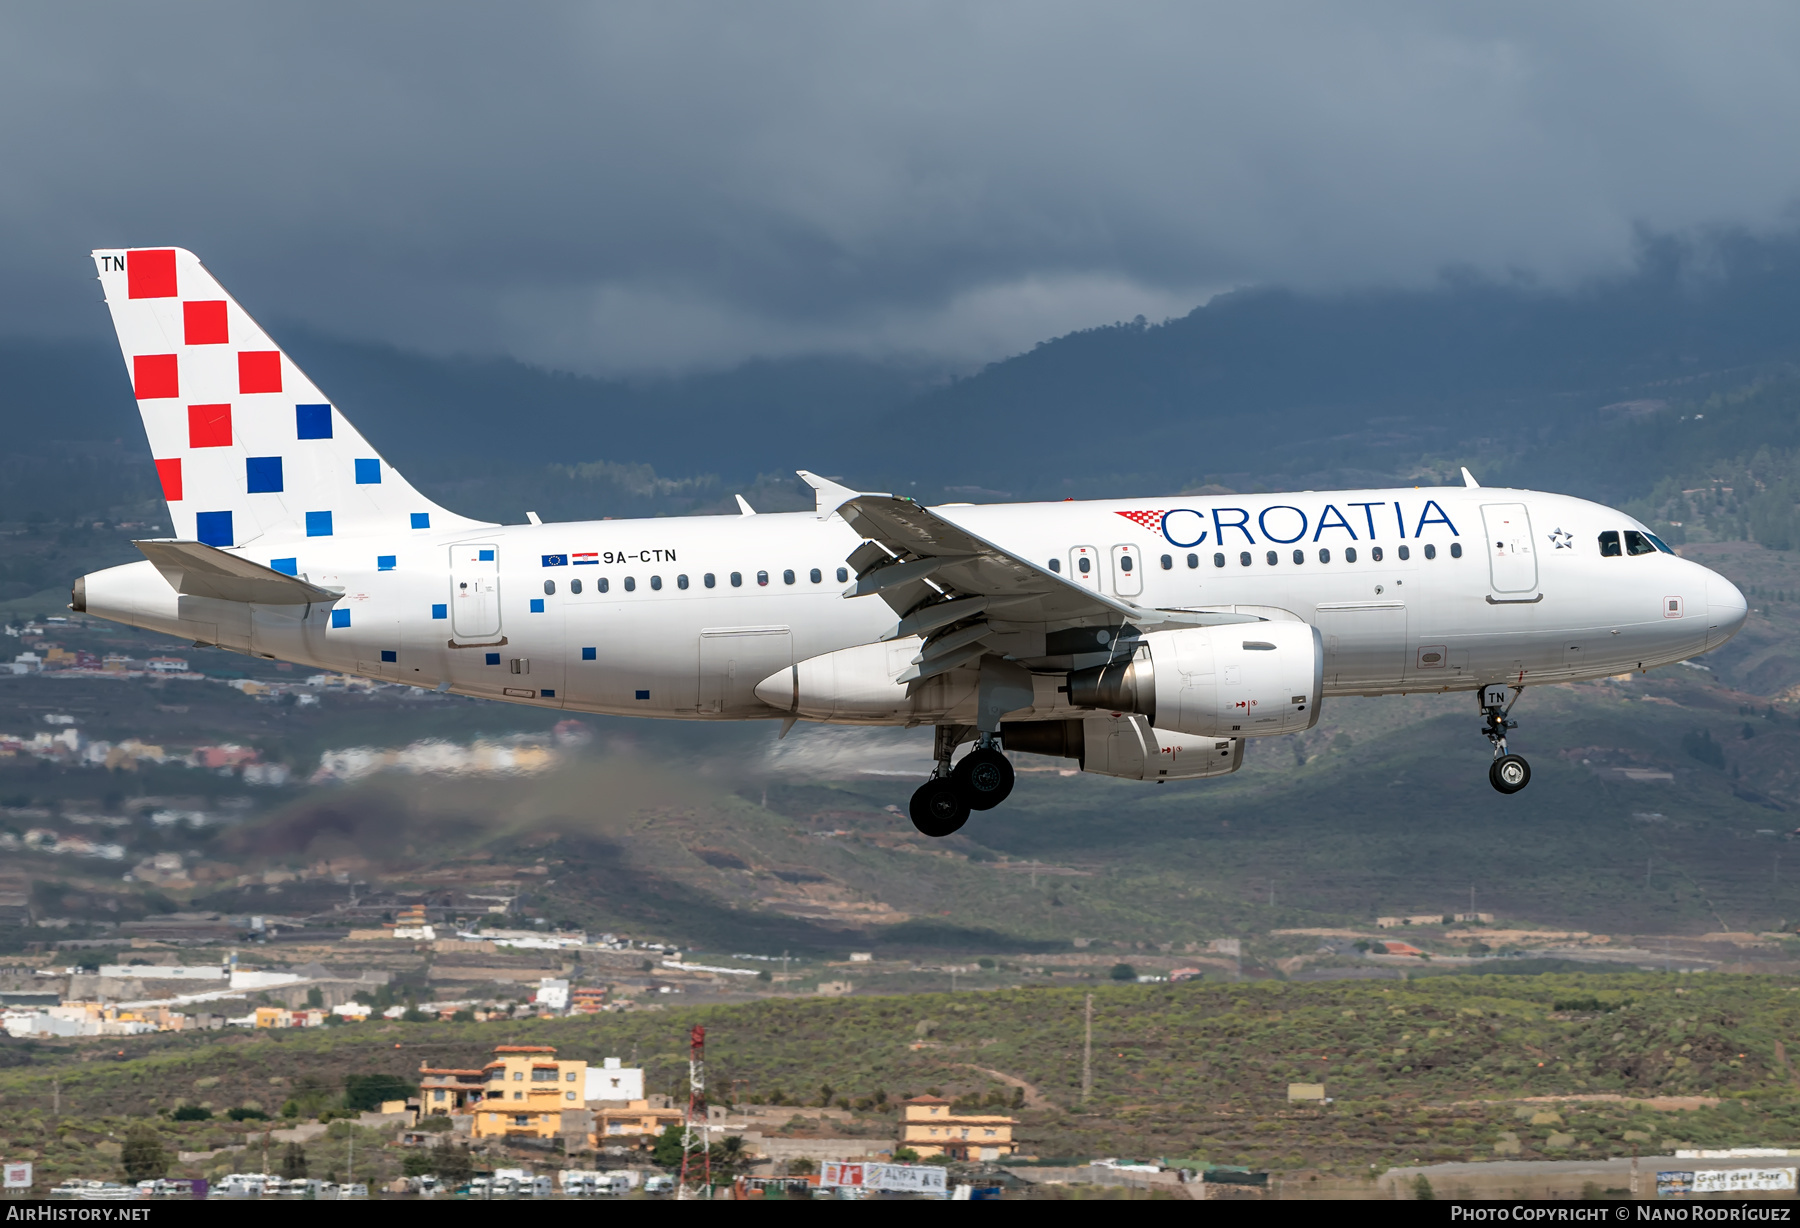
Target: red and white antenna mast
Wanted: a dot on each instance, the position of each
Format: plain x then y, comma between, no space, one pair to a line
696,1151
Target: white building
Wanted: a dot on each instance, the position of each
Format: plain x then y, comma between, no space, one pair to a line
614,1081
552,993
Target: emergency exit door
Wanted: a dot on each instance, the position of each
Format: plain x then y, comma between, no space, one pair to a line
475,592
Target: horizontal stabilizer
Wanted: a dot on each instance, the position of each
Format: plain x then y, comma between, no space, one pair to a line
195,569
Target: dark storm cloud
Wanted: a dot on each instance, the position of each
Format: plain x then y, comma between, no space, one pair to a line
643,186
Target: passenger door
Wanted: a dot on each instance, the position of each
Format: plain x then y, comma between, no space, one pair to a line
1512,560
475,593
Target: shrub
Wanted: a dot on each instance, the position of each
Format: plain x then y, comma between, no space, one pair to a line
143,1156
1123,972
247,1114
191,1112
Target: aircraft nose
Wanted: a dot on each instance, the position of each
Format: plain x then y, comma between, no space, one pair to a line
1726,609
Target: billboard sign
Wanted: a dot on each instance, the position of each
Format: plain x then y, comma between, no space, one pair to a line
901,1178
1741,1180
18,1174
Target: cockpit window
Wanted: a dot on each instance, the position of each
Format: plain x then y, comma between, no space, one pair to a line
1638,543
1609,544
1659,543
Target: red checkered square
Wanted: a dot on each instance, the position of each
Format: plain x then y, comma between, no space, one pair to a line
150,274
169,471
204,323
259,371
209,426
155,375
1149,520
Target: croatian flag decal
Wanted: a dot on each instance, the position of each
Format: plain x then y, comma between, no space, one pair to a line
586,558
556,560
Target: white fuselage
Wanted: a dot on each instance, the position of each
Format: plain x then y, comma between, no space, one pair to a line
684,618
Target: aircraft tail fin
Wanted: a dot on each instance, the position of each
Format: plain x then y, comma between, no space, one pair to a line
245,445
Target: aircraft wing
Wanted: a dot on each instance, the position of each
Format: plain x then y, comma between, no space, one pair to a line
195,569
929,553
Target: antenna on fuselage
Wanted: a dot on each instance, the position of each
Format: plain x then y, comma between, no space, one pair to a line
744,508
1469,479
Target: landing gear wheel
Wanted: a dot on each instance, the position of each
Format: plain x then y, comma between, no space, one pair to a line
939,807
1510,773
985,778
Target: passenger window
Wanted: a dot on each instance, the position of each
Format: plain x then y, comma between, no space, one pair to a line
1084,566
631,584
680,581
1375,553
1244,558
1324,556
1349,554
1193,561
737,579
816,576
1430,550
1273,558
1609,544
1056,566
550,587
1456,550
1405,553
1125,563
575,587
843,574
787,577
604,584
1218,560
1299,556
1168,563
762,578
1636,543
656,583
710,580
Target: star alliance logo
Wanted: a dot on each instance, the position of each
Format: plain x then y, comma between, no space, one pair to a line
1562,540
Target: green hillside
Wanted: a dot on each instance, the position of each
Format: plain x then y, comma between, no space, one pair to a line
1434,1069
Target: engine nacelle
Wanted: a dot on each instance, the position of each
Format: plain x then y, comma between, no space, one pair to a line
1126,746
1245,680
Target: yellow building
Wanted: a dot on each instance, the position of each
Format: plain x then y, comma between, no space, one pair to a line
636,1121
931,1129
527,1091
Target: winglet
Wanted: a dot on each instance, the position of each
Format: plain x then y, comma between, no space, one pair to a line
828,495
744,508
1469,479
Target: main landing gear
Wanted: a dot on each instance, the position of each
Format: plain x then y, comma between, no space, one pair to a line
981,781
1509,772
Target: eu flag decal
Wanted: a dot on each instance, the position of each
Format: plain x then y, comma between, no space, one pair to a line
556,560
585,558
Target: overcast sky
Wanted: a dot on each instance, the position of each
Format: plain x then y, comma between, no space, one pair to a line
661,186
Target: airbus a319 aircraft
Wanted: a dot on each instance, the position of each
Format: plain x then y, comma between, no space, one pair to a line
1143,638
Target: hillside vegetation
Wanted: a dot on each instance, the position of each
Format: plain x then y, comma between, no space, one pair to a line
1435,1069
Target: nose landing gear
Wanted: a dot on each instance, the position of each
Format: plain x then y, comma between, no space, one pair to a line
1509,772
981,781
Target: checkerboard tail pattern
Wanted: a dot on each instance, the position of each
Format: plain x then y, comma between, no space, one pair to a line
246,447
1149,520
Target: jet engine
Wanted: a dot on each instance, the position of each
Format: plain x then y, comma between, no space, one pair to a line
1126,746
1245,680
